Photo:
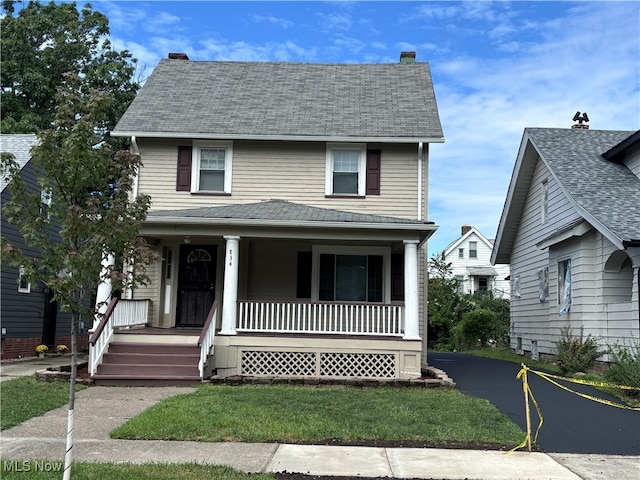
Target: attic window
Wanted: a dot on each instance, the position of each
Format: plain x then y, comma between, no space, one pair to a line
473,249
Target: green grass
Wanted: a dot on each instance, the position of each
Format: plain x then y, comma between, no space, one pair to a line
99,471
509,356
282,413
25,397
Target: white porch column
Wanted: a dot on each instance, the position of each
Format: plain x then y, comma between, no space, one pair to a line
411,298
230,294
103,294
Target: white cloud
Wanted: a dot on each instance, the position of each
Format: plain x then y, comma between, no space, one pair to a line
270,19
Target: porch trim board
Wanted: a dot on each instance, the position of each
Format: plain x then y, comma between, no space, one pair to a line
320,318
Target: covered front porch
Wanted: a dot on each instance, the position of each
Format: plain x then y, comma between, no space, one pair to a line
290,299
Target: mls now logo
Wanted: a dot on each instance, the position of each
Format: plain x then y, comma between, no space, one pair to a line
31,466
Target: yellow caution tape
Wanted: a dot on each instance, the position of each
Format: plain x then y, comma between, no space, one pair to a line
522,374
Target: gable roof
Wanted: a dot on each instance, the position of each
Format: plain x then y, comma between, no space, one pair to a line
472,231
20,146
285,101
603,192
282,213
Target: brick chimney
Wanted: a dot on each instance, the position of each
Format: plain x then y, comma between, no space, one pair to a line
408,57
178,56
465,229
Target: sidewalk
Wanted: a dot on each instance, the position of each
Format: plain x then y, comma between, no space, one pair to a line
101,409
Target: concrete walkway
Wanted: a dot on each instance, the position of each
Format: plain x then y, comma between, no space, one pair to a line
101,409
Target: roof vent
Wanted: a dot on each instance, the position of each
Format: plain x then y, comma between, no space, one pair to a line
178,56
580,118
408,57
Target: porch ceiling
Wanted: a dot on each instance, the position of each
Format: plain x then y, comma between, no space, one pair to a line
286,218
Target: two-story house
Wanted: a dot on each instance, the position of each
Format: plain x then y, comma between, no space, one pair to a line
470,259
570,229
289,208
29,316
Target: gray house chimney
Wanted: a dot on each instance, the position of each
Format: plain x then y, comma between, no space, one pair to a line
178,56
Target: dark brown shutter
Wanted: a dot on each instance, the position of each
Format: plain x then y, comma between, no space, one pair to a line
183,178
373,172
397,277
303,287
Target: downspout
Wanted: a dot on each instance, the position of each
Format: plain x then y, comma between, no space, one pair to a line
419,180
136,151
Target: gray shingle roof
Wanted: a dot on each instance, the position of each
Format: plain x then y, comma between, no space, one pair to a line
20,146
274,100
606,190
281,210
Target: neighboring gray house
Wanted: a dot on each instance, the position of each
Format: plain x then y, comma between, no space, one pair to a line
470,259
29,317
289,208
570,229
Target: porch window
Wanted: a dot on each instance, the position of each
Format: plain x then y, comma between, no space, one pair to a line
351,278
346,169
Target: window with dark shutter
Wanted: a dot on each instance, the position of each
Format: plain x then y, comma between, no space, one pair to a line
183,177
373,172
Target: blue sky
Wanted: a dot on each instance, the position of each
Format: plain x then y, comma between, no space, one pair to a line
498,67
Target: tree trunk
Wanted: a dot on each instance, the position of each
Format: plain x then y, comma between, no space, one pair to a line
68,457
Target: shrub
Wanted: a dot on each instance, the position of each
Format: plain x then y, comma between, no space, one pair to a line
624,367
576,354
477,327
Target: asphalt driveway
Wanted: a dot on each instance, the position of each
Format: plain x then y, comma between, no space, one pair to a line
572,424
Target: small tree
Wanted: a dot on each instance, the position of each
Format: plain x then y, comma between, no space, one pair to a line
89,186
446,304
476,329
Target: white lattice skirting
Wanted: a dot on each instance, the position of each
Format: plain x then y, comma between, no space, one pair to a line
320,364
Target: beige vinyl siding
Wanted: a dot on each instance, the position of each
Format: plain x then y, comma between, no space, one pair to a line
151,291
272,272
293,171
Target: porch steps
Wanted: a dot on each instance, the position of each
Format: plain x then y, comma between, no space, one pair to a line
149,364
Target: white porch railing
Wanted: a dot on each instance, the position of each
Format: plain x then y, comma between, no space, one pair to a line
207,338
120,313
321,318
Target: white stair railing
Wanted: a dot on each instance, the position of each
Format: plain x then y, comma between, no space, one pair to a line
207,338
119,314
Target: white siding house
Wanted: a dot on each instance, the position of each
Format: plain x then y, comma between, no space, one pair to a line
470,259
570,229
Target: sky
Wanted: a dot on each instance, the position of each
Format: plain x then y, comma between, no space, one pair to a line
497,67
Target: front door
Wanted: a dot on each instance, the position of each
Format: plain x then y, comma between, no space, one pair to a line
196,284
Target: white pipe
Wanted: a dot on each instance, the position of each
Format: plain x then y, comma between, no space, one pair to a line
419,180
136,151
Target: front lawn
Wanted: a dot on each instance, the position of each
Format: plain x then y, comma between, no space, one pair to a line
303,414
25,397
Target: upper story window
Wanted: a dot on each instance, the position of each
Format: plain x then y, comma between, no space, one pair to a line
45,202
23,284
346,169
473,249
544,201
461,253
205,168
